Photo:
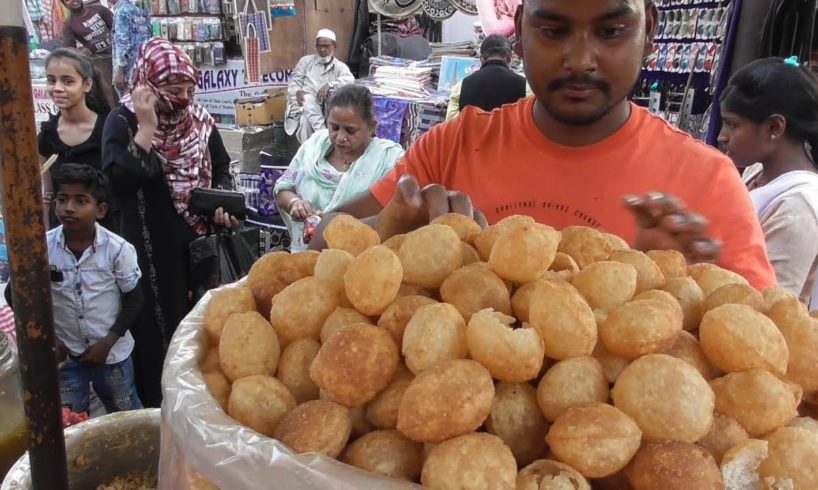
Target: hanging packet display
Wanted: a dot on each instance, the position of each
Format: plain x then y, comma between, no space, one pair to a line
282,8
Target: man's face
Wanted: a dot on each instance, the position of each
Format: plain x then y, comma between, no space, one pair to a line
74,6
324,47
582,57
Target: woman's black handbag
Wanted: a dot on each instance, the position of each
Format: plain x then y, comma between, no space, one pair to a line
221,258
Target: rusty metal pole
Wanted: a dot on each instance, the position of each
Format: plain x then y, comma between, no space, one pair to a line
28,256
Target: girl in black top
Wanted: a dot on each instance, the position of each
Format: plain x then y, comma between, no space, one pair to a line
74,134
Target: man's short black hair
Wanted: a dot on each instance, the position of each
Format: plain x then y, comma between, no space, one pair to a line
76,173
495,46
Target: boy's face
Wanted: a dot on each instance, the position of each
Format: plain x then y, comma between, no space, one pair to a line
77,209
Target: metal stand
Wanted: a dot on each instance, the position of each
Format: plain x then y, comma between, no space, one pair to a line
25,237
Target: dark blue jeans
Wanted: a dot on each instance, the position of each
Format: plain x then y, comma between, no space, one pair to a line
113,383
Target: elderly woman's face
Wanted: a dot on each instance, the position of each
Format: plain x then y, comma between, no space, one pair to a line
349,132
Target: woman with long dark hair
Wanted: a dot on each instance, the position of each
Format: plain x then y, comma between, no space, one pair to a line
74,134
158,147
770,130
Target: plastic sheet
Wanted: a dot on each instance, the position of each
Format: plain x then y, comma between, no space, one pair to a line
200,439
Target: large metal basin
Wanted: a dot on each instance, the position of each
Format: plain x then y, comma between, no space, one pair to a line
102,449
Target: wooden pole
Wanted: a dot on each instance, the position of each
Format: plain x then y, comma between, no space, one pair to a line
28,256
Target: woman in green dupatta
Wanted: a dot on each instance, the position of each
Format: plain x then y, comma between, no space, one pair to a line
336,163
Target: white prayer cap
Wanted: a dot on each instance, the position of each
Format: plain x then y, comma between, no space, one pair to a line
326,34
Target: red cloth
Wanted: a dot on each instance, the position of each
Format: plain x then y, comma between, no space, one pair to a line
182,136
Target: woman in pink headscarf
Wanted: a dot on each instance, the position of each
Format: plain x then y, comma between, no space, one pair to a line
157,147
497,16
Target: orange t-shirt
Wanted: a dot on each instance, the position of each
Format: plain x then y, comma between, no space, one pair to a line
509,167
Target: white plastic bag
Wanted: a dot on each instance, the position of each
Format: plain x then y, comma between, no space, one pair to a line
198,436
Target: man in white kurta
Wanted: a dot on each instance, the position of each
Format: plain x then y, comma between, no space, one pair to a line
312,79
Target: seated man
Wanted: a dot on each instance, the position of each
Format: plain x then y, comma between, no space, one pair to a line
493,85
313,77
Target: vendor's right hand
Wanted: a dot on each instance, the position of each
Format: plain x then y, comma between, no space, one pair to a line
299,97
144,104
412,207
301,209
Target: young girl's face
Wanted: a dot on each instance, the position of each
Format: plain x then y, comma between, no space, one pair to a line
744,141
65,84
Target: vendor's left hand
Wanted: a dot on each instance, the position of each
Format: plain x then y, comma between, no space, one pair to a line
323,93
98,353
666,224
222,218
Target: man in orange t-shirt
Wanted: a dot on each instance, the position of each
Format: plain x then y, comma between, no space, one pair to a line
569,155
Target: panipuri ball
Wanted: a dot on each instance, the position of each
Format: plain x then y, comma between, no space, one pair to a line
640,327
758,400
606,284
774,294
485,240
360,425
317,426
450,399
724,435
612,365
596,439
219,388
792,459
564,320
569,383
429,255
339,319
260,402
332,264
617,243
211,363
807,423
687,348
671,262
355,364
667,397
585,245
382,412
373,280
224,303
388,453
398,314
470,255
802,345
465,227
648,274
274,271
475,461
301,309
673,465
521,301
510,355
524,253
473,288
294,369
248,346
739,294
564,263
349,234
517,420
738,338
660,295
787,311
410,290
547,474
394,242
711,277
435,333
688,293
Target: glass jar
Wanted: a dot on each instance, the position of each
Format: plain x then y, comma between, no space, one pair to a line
12,419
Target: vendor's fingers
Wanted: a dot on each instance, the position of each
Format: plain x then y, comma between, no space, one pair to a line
234,222
636,205
705,250
435,200
218,216
660,204
407,192
480,217
460,203
685,223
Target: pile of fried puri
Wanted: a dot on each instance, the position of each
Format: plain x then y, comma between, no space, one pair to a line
518,356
